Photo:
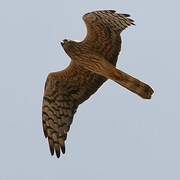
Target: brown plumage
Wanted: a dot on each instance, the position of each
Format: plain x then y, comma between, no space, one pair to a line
93,61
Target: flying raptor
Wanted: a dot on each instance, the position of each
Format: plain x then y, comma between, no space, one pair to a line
93,61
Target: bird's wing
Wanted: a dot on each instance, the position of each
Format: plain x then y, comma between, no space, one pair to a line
103,32
63,92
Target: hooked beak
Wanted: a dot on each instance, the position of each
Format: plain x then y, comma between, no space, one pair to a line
62,43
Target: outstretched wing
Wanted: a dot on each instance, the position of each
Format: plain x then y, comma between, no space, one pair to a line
103,32
63,93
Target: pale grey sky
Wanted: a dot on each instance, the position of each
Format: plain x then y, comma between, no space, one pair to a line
115,134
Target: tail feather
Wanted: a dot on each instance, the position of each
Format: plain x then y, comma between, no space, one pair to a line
134,85
102,67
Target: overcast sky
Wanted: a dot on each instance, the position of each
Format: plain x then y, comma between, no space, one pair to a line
115,134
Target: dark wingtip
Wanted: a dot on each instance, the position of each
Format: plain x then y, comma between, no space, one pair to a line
132,21
51,150
126,15
45,133
57,149
44,129
63,149
58,154
51,146
112,11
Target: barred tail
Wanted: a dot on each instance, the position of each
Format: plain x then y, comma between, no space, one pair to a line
134,85
102,67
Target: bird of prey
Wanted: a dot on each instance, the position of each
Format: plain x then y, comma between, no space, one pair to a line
93,61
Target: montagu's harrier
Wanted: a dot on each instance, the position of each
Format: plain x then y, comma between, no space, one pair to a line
93,61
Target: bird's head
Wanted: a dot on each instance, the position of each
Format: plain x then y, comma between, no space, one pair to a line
66,44
69,46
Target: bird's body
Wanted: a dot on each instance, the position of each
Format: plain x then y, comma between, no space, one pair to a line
93,61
